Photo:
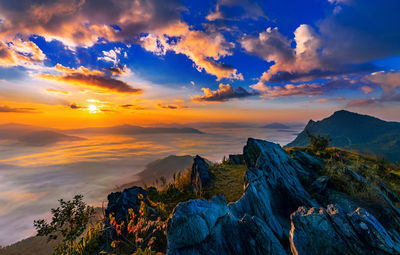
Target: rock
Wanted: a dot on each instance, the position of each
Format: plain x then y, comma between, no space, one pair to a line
120,202
307,161
281,176
208,227
236,159
331,231
201,176
313,233
319,185
373,232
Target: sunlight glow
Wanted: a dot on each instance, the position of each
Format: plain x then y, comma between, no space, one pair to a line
93,108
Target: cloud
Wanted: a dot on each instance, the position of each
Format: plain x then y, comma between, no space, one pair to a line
5,108
312,89
203,48
75,106
19,52
349,36
223,93
56,91
236,9
131,106
84,77
84,22
172,106
342,44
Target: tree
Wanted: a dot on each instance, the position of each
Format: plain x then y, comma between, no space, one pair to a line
163,180
69,221
318,143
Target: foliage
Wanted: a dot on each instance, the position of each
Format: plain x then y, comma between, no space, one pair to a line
139,233
318,143
69,221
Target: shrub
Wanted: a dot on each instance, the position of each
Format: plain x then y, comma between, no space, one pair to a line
318,143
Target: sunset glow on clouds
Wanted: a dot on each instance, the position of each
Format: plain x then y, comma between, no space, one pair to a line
139,58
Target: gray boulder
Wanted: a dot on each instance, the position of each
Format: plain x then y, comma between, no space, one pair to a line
208,227
201,176
319,185
332,231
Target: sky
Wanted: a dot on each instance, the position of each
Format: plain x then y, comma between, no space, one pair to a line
74,63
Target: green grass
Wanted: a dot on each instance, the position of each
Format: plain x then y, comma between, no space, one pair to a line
228,181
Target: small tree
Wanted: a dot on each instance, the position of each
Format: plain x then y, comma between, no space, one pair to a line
318,143
69,220
163,180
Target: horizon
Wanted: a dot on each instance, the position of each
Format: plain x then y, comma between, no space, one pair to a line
226,68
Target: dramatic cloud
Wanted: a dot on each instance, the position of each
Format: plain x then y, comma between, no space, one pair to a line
350,36
227,10
84,77
172,106
20,52
204,49
5,108
312,89
223,94
84,22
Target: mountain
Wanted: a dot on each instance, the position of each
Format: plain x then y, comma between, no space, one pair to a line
354,131
46,137
34,135
134,130
276,125
166,167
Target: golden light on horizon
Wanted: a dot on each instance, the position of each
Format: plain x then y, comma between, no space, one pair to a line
93,108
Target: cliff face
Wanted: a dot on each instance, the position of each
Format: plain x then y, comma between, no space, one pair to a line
287,208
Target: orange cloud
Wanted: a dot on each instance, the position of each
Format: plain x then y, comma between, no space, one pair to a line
83,22
5,108
56,91
204,49
172,106
20,52
91,78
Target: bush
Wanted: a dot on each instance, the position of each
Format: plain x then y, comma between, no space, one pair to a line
318,143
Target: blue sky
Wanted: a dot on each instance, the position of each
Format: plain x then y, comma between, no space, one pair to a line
182,60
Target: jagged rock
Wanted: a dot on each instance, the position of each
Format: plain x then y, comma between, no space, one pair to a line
208,227
373,232
263,222
307,161
120,202
236,159
280,173
331,231
319,185
201,176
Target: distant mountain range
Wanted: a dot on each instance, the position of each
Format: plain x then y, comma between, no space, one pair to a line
41,136
134,130
354,131
276,125
34,136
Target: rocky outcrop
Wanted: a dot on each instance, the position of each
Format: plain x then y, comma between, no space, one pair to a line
208,227
236,159
272,215
201,175
331,231
120,202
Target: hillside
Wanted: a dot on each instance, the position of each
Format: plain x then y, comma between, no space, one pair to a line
354,131
135,130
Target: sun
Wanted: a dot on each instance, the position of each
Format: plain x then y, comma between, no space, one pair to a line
93,108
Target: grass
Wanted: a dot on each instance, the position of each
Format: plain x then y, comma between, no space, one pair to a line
228,181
